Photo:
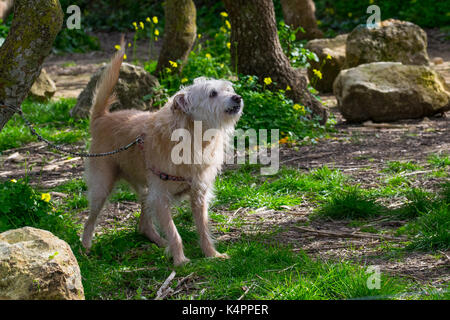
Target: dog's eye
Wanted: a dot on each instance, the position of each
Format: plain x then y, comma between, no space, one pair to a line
213,94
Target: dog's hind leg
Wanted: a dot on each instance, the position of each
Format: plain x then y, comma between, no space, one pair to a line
160,203
100,184
146,226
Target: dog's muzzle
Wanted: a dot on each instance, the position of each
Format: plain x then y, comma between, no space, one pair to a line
234,108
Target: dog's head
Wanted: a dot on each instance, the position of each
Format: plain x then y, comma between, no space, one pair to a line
211,101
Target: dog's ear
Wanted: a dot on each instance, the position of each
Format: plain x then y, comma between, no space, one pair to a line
179,102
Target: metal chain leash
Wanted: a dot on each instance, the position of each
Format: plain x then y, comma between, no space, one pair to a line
138,140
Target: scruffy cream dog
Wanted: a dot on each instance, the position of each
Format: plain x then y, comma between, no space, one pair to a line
148,167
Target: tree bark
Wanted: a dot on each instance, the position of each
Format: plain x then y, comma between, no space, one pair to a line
180,32
301,13
256,46
34,28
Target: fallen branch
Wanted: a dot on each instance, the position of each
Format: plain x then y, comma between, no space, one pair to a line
139,269
246,291
282,270
165,290
415,172
348,235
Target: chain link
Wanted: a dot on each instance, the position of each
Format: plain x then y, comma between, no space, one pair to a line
138,140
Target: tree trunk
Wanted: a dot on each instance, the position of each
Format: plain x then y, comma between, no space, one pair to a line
34,28
180,32
301,13
255,45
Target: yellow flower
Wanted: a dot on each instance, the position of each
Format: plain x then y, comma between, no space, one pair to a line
228,45
329,10
117,47
184,80
222,65
135,25
224,14
208,56
199,36
129,44
13,180
328,57
148,19
46,197
267,80
317,73
283,140
173,64
124,56
156,32
223,29
250,79
141,24
298,107
228,24
155,19
288,88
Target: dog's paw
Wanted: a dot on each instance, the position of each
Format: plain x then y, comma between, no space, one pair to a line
181,261
221,255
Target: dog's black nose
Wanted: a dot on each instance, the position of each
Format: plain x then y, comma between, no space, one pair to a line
236,98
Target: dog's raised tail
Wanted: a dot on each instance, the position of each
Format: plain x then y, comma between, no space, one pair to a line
104,95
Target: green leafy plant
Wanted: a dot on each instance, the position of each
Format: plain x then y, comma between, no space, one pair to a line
298,55
21,205
265,109
4,29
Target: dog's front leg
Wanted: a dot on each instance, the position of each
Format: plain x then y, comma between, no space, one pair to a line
199,204
161,204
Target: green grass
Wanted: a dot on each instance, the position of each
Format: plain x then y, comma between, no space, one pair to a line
418,202
439,161
430,229
51,120
349,203
397,166
272,271
246,188
125,265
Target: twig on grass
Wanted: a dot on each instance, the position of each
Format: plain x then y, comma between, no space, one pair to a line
282,270
348,235
246,291
165,290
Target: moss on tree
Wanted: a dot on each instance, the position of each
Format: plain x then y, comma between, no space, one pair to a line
35,26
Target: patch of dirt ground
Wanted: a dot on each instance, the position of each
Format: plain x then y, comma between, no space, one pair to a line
359,151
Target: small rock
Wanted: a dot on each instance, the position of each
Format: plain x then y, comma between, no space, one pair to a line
133,89
36,265
43,88
15,157
390,91
391,40
438,60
